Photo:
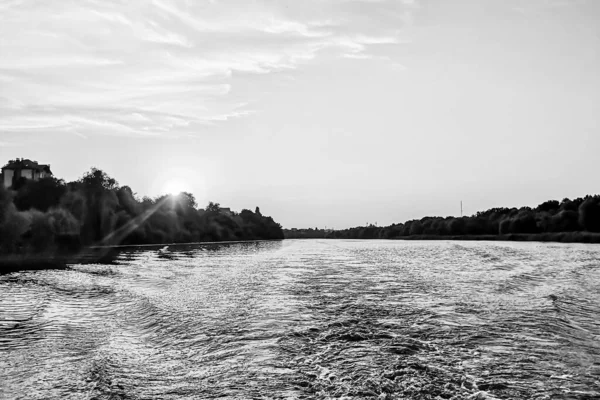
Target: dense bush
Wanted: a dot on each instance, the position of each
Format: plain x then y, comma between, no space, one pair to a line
581,214
41,195
51,216
589,215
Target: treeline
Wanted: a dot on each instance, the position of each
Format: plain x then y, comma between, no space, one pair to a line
567,220
308,233
49,216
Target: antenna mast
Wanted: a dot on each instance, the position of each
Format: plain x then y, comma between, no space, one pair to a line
461,210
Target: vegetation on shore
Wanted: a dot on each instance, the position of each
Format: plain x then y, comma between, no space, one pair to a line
50,217
575,220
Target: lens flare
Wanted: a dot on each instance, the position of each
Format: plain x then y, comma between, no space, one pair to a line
175,187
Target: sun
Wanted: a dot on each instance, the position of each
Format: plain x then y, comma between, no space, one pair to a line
175,187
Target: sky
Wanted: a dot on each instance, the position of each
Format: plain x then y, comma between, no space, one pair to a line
324,113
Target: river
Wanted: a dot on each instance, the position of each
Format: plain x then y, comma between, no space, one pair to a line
308,319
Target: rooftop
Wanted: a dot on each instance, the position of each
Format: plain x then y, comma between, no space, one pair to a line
22,163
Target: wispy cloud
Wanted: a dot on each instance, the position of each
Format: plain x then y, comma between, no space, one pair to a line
165,67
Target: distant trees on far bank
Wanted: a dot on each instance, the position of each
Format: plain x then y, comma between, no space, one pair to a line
550,217
50,215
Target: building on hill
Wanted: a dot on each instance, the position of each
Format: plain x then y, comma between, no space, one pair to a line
23,168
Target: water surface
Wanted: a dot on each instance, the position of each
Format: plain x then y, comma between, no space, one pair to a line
308,319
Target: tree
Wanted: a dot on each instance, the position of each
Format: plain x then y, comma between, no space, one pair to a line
548,206
524,223
41,195
589,215
564,221
504,226
416,228
127,201
98,179
567,205
213,207
457,226
188,200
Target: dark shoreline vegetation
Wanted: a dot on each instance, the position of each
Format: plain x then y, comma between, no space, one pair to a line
49,223
567,221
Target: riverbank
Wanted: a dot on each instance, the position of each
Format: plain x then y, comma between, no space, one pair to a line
560,237
21,262
91,255
567,221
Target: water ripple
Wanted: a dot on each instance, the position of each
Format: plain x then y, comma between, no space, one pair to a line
308,319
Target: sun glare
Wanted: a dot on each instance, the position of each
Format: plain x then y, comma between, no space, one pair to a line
175,187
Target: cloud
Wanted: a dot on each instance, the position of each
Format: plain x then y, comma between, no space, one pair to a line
165,67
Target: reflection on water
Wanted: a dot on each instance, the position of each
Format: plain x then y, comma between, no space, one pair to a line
308,319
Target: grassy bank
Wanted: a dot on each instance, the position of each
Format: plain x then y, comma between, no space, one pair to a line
562,237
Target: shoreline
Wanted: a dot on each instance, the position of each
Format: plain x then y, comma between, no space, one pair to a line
558,237
554,237
90,255
119,246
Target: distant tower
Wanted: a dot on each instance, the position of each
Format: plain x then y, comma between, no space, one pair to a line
461,210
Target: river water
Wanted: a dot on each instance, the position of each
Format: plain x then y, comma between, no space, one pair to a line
308,319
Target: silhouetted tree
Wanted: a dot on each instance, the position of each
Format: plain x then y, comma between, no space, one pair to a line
213,207
550,216
41,194
564,221
549,206
589,215
98,179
